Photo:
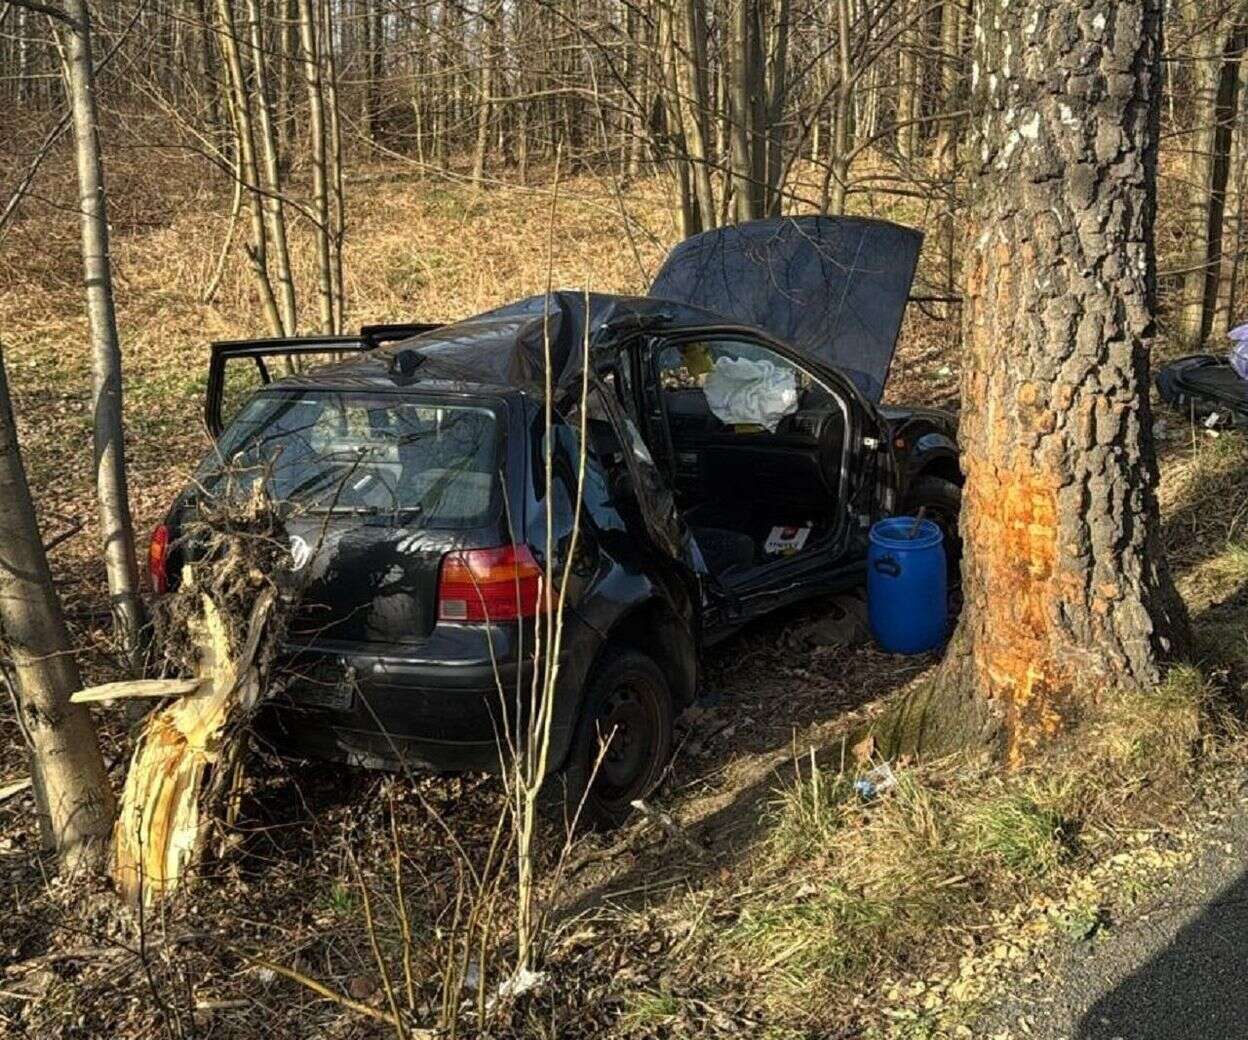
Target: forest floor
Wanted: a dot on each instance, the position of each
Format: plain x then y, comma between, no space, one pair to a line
780,907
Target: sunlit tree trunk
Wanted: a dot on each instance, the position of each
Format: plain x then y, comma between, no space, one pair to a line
836,178
310,32
247,169
490,31
272,169
74,800
691,82
1067,594
333,158
745,85
1217,105
117,530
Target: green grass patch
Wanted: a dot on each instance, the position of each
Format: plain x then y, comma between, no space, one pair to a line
1022,830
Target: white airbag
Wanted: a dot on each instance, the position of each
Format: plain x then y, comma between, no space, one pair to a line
741,391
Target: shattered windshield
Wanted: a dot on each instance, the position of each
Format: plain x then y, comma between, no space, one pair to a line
416,460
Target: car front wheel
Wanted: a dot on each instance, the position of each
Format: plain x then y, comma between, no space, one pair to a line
622,741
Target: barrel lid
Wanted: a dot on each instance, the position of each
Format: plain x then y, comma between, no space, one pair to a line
894,533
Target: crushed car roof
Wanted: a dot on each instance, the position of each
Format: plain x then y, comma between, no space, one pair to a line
506,347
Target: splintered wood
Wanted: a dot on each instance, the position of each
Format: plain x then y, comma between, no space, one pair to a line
188,752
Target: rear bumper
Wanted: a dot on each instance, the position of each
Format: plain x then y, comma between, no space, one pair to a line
447,704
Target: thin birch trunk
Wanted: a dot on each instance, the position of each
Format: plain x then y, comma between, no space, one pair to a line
334,155
275,211
691,80
248,169
308,32
116,527
776,95
741,78
836,180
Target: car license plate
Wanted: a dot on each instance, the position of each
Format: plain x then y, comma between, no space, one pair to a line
337,696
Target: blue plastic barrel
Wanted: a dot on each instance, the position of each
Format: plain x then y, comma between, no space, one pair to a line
907,601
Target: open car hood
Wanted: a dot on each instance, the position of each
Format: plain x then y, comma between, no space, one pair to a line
834,288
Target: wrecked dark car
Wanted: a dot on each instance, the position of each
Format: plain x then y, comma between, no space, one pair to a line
736,454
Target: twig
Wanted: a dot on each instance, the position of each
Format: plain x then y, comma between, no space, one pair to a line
669,827
381,961
322,990
7,791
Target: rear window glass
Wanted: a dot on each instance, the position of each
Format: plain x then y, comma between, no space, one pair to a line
422,462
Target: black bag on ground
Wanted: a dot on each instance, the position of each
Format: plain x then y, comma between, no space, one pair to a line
1201,385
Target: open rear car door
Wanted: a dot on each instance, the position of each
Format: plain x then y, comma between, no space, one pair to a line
237,368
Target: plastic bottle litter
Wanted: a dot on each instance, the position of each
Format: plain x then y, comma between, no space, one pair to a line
875,782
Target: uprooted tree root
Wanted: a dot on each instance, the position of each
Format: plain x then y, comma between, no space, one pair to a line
223,626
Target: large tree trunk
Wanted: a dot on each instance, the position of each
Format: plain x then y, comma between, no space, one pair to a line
72,792
1066,591
117,531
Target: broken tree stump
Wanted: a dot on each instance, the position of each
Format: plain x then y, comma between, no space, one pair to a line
185,752
224,624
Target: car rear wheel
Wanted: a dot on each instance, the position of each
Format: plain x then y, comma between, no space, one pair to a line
941,502
628,707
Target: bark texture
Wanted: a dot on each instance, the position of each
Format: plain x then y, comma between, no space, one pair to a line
1067,592
74,799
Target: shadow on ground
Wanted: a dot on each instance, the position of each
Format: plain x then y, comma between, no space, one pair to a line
779,698
1193,988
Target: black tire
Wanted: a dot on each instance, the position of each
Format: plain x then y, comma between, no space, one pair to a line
941,502
629,698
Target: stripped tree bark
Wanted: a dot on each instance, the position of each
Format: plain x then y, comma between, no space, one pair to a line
221,629
1067,594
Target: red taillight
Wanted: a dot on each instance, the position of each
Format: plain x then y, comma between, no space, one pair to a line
490,585
158,560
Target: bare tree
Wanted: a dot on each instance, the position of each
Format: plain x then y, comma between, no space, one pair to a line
271,166
247,167
74,799
1217,106
310,31
117,529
